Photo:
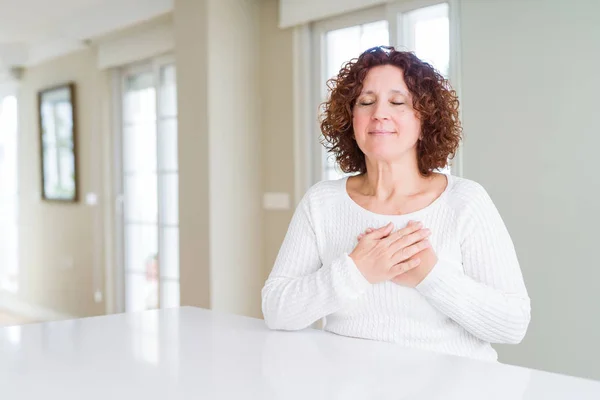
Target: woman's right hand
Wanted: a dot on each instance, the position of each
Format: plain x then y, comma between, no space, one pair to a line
382,255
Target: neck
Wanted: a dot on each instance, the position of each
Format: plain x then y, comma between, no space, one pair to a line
384,180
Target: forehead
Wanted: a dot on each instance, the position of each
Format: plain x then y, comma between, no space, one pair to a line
384,78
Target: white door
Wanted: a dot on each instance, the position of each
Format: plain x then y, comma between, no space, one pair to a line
149,187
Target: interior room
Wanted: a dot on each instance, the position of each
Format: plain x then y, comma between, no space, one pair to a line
153,152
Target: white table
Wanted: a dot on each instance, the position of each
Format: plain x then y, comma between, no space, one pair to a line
191,353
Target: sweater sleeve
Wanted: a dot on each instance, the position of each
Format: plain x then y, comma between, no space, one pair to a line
300,290
487,296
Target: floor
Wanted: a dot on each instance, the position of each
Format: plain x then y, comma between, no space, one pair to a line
8,319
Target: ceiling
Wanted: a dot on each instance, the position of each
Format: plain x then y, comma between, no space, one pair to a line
32,31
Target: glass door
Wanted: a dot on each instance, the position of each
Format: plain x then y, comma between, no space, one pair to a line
149,186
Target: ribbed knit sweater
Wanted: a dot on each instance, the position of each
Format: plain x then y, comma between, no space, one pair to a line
474,296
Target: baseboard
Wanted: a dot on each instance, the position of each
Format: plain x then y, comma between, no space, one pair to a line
14,305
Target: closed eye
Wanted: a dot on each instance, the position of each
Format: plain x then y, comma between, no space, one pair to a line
397,104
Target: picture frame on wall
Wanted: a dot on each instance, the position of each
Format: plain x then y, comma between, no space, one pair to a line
58,143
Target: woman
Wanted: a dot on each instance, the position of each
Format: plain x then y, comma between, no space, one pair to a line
398,252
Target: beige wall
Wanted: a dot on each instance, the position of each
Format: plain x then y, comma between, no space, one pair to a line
276,78
529,96
61,245
222,252
234,161
191,47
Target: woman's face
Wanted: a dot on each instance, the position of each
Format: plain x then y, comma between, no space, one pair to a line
386,126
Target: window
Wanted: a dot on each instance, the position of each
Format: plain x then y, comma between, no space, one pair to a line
150,186
340,46
9,265
425,30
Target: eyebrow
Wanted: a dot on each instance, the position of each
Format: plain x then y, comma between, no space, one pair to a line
395,91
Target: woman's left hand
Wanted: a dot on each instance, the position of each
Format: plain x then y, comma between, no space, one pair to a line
416,275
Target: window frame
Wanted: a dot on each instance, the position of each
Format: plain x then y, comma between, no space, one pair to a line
309,45
154,66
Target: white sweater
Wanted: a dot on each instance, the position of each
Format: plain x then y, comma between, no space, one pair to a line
474,296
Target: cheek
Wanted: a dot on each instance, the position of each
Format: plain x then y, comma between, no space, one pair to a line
360,119
358,123
408,122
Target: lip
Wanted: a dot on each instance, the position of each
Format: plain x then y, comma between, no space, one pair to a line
381,132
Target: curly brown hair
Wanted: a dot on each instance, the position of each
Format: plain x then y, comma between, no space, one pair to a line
435,102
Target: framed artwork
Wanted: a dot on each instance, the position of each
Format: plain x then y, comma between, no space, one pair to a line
58,143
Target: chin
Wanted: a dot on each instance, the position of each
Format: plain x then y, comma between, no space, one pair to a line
385,157
388,154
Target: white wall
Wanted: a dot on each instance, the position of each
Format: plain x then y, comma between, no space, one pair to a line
530,87
295,12
220,142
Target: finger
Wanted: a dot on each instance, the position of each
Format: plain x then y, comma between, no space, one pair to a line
403,267
410,239
407,230
407,252
381,232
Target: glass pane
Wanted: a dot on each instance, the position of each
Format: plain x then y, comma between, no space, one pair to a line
430,33
169,253
141,292
169,198
8,251
8,210
167,145
342,45
8,146
9,266
51,168
374,34
141,248
169,294
168,91
141,198
139,99
139,147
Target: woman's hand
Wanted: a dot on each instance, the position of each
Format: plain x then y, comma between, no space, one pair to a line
382,255
416,275
413,276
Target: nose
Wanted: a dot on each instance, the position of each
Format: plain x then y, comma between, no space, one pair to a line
381,111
